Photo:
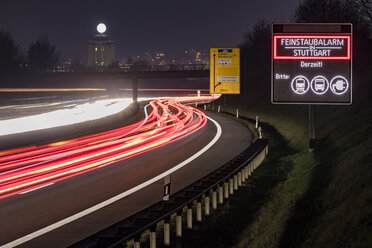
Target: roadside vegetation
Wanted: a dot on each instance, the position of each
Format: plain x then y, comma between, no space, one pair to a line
40,55
298,198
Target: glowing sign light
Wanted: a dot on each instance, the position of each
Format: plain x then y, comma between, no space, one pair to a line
312,47
311,63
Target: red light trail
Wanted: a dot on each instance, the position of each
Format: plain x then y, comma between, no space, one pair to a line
27,168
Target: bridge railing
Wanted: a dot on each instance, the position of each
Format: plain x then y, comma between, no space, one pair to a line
186,67
144,68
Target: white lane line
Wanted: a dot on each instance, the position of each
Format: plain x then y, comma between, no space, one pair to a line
115,198
46,185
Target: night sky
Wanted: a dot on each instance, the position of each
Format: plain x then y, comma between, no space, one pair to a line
137,26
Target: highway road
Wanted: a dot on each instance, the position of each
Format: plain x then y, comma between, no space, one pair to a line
61,213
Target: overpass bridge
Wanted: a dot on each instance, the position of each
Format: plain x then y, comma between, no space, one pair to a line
86,77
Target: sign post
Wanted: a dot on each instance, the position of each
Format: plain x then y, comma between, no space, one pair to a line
311,64
224,71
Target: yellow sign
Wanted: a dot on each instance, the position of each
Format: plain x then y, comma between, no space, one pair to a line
224,71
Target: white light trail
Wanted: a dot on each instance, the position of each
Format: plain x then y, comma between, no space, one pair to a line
80,113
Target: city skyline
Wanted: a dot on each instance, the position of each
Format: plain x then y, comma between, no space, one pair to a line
138,27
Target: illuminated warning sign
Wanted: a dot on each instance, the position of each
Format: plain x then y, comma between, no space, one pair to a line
315,47
224,71
311,63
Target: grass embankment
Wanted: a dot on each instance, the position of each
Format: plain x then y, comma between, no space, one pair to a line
296,198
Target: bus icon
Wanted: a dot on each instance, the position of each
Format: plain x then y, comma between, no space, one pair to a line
319,85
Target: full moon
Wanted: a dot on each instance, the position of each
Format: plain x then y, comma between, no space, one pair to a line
101,28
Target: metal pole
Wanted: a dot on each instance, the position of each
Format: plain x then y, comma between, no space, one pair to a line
134,89
312,127
213,102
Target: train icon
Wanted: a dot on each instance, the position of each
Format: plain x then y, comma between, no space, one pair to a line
300,85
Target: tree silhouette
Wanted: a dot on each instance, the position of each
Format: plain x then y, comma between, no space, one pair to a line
42,54
357,12
367,5
255,60
9,53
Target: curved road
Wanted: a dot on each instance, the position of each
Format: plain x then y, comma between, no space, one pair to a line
23,214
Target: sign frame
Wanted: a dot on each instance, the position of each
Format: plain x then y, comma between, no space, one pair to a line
318,30
227,68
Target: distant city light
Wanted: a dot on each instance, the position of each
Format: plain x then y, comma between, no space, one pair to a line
101,28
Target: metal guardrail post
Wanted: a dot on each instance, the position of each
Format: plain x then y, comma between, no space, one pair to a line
198,211
166,233
152,238
207,205
235,178
255,162
137,243
239,178
189,217
214,199
231,186
226,186
220,194
179,225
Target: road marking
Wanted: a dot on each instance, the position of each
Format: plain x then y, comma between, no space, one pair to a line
46,185
115,198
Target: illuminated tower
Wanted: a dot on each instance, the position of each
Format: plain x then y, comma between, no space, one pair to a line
101,50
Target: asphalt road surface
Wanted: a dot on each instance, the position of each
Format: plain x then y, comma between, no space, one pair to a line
27,213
